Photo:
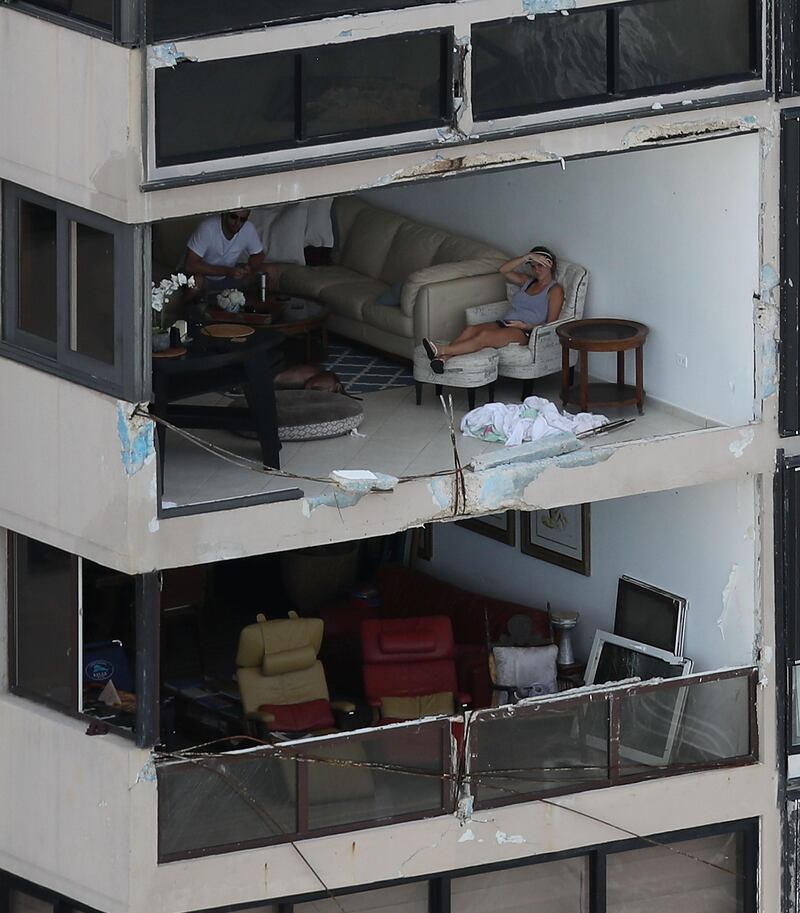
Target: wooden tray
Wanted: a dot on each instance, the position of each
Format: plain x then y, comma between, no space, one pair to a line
171,353
260,319
227,330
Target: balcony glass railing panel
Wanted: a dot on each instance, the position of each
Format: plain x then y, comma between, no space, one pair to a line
229,801
389,773
557,747
700,724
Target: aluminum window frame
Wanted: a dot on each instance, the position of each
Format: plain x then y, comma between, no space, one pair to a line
126,377
126,28
745,79
463,129
285,153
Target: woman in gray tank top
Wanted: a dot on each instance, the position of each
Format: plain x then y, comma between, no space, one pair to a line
538,300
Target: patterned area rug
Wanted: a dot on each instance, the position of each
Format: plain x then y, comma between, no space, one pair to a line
361,370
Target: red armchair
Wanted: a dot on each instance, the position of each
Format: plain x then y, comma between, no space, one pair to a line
409,667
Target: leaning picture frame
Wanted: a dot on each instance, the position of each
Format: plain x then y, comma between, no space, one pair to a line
650,720
560,535
502,527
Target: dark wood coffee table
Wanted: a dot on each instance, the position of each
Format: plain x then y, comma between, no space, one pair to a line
602,334
292,317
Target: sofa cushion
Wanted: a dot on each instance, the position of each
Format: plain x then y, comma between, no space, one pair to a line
393,320
454,248
413,248
299,717
441,273
369,240
418,706
309,281
349,298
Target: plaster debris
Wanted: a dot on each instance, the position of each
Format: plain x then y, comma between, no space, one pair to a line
464,810
363,480
645,134
467,836
135,434
737,448
167,55
153,525
687,101
463,41
502,837
656,106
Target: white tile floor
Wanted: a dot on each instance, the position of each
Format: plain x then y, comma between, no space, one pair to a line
399,438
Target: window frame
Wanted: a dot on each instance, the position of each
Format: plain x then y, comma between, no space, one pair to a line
126,28
145,732
613,92
126,376
301,141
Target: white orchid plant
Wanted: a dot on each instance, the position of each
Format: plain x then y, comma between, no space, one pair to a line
161,293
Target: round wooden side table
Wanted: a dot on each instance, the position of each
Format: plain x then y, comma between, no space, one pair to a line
602,334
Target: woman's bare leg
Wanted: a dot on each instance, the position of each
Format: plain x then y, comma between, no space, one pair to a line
489,336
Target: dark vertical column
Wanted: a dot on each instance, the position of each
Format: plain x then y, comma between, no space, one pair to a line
789,394
148,685
439,895
787,40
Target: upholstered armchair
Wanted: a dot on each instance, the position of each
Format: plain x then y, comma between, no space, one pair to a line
542,354
409,667
281,681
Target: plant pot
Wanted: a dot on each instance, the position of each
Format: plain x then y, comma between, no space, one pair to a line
159,340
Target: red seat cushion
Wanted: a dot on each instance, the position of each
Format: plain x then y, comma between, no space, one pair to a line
300,717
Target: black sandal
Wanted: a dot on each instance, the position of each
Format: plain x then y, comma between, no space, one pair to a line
437,365
430,350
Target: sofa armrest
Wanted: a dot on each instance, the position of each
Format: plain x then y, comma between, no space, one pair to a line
439,310
486,313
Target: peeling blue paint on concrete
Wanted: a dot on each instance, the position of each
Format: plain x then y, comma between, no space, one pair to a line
526,453
136,438
507,483
535,7
768,280
440,489
768,366
332,497
168,55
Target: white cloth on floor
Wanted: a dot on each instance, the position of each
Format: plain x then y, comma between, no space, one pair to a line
531,420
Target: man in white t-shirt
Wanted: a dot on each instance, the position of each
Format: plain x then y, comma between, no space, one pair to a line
225,251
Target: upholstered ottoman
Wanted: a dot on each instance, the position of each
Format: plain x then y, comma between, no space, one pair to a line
478,369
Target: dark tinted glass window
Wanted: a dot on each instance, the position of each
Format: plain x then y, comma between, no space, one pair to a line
221,107
683,41
45,619
183,18
37,271
92,292
98,12
373,85
521,63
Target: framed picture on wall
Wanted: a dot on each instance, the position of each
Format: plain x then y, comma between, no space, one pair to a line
560,535
502,526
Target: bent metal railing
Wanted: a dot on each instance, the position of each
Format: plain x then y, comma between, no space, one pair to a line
584,739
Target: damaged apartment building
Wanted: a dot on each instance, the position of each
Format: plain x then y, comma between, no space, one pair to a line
256,638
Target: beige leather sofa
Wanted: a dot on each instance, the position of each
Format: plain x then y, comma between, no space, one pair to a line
438,275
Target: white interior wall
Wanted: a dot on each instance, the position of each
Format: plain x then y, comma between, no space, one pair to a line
695,542
669,236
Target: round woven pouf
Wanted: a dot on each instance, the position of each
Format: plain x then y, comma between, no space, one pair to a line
311,415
